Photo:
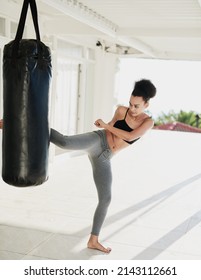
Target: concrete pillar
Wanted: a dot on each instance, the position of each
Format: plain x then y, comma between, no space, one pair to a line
104,85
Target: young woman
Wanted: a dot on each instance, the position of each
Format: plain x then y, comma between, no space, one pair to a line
127,126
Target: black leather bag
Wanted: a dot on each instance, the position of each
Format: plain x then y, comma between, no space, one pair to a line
26,83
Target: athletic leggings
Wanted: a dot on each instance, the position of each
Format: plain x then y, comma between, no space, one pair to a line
99,153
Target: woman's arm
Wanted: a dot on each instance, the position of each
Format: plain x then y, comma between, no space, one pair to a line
125,135
135,134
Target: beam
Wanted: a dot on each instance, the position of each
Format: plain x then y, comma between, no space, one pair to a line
83,14
138,45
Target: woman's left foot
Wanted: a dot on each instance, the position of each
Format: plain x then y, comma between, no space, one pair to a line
94,244
97,246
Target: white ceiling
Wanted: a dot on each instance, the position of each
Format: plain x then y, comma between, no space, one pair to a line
167,29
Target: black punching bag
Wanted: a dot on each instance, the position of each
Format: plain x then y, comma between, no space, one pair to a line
26,82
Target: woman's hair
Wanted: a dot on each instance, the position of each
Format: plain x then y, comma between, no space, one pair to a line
145,89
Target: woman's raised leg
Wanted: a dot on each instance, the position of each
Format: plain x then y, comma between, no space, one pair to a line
83,141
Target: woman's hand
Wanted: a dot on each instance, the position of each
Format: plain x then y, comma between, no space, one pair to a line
100,123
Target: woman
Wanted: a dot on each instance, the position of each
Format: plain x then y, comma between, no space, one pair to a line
127,126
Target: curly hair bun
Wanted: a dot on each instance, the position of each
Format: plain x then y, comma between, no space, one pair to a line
145,89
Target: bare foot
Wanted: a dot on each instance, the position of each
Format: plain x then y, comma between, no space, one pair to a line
94,244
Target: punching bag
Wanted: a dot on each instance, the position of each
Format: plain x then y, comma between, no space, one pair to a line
26,82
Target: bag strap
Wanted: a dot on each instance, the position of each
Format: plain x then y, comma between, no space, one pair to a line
21,25
22,20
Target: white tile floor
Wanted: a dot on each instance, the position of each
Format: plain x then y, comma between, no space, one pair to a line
155,211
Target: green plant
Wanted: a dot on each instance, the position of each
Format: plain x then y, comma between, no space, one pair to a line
190,118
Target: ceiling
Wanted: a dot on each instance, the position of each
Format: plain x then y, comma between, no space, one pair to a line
166,29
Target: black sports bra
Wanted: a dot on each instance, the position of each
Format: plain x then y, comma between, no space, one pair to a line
121,124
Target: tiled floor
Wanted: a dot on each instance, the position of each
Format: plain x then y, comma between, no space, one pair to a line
155,212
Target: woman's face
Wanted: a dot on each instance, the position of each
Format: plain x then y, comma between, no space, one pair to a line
137,105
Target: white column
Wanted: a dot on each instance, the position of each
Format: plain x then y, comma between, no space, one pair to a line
104,85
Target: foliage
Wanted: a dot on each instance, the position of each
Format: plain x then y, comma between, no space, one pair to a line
183,117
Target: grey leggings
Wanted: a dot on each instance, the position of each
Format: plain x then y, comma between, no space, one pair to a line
99,153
